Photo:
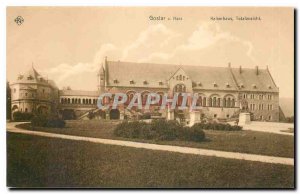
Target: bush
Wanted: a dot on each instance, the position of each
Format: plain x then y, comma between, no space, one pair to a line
50,121
146,116
91,115
39,121
55,122
22,116
196,134
159,130
217,126
290,119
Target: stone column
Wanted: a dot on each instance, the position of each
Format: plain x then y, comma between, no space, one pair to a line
244,118
170,114
122,114
195,117
107,117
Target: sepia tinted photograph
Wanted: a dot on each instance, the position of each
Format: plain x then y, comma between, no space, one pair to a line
150,97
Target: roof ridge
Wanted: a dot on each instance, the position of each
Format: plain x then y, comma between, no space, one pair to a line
180,65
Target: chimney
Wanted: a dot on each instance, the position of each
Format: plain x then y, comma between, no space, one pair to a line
240,69
256,67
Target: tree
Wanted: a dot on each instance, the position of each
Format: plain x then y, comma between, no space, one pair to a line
8,101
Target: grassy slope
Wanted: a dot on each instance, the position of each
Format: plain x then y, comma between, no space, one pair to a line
44,162
236,141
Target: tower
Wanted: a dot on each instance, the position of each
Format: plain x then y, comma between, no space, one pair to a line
101,79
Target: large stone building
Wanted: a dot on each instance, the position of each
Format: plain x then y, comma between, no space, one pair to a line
33,93
223,91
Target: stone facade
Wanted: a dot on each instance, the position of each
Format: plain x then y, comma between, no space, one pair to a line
223,91
33,93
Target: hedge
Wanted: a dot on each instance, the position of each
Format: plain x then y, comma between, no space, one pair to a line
158,130
217,126
47,121
22,116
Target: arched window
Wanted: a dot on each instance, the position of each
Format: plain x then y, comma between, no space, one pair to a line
62,100
160,98
209,102
131,97
233,103
68,100
219,102
214,102
199,101
179,88
224,102
228,102
204,101
90,101
83,101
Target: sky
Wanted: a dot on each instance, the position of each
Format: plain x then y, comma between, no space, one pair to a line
69,44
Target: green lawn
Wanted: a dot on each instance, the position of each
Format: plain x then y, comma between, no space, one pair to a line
34,161
236,141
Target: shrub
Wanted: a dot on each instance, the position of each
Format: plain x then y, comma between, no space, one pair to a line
91,115
50,121
39,121
55,122
22,116
146,116
159,130
289,119
217,126
196,134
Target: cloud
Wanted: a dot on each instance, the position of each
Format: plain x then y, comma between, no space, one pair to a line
206,35
64,71
155,37
157,43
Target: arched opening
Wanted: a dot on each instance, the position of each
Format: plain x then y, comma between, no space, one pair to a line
179,88
199,101
204,101
160,98
14,108
130,95
229,101
114,114
144,97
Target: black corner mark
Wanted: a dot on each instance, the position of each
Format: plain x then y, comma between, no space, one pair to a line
19,20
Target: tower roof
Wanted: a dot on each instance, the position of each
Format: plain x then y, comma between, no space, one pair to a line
31,76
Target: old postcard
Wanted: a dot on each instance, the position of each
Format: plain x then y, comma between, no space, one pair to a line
150,97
